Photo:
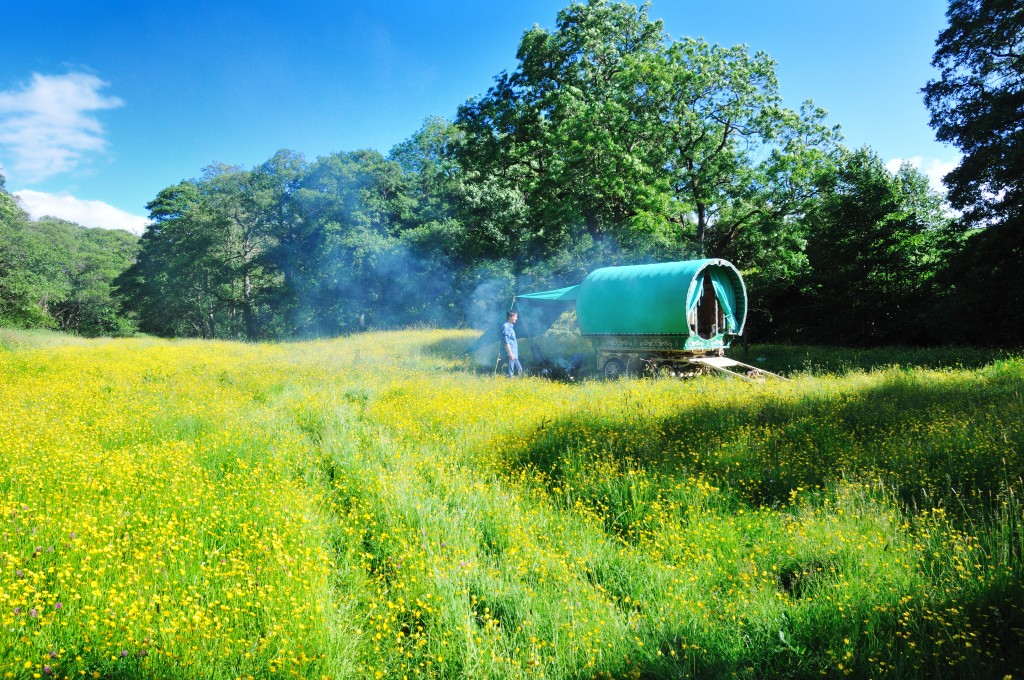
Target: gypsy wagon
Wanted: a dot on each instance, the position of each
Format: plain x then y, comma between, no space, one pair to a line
668,318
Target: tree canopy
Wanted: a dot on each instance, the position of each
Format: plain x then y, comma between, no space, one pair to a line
609,143
875,243
977,104
59,275
609,130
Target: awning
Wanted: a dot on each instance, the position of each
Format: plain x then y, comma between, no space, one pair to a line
539,311
559,294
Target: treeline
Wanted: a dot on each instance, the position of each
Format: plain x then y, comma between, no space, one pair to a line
55,274
610,143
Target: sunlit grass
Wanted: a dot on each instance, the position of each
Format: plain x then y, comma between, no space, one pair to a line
376,507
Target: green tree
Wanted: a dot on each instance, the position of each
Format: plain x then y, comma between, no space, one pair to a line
39,271
431,172
875,242
211,261
272,185
9,209
285,249
24,294
609,130
352,204
438,204
178,285
558,146
244,207
96,257
977,104
737,160
58,274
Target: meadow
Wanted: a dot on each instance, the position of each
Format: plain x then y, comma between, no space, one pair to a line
378,506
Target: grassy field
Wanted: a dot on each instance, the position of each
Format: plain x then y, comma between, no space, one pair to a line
376,507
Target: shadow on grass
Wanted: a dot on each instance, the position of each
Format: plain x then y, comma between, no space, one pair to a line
955,442
983,639
452,347
478,354
951,442
789,359
484,348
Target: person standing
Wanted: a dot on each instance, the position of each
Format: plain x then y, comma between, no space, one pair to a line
511,346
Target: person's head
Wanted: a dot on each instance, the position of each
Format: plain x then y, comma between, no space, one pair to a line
511,316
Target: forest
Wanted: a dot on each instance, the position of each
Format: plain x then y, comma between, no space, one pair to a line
610,143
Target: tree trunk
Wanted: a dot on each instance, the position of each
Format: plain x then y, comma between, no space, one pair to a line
702,225
247,314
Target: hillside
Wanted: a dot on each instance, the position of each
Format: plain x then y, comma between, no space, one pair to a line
376,506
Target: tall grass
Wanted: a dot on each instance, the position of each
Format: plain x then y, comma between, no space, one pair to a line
375,507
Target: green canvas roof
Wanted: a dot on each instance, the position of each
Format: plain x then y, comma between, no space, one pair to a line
654,299
648,299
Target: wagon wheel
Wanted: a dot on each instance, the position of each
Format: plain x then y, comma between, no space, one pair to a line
666,370
614,368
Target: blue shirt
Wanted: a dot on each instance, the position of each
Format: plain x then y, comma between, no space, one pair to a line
508,337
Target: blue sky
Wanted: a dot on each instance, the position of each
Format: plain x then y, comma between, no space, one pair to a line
103,104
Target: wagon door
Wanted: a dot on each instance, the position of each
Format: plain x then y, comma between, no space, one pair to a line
708,310
714,310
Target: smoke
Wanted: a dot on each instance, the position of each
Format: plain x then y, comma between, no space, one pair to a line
386,283
342,253
413,289
490,299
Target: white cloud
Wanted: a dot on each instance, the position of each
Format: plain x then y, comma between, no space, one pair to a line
933,168
46,127
87,213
